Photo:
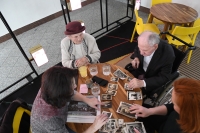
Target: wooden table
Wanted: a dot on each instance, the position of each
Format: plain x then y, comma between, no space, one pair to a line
173,13
120,96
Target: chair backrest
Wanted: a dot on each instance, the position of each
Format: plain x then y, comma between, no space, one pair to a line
154,2
196,22
139,23
186,31
16,118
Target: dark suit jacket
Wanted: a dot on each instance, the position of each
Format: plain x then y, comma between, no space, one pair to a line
160,67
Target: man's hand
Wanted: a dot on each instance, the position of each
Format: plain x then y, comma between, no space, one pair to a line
139,110
135,83
135,63
81,62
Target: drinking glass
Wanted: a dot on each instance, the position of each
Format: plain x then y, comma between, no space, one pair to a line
106,69
93,70
83,71
95,89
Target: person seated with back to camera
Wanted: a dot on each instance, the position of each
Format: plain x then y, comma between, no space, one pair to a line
181,116
49,110
152,63
78,48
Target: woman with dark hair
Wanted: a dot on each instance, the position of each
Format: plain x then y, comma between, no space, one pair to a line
183,116
49,111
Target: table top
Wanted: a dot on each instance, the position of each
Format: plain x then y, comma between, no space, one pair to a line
120,96
121,93
174,13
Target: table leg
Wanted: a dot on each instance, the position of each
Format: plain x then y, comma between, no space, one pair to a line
150,20
166,26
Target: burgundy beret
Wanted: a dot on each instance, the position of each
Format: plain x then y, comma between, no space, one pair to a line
74,28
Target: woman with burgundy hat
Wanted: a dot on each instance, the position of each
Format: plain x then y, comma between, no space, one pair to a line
78,48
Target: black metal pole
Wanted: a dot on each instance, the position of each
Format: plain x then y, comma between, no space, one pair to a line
67,11
106,15
64,14
127,8
16,41
101,13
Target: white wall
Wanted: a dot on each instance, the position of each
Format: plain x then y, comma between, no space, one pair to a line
19,13
192,3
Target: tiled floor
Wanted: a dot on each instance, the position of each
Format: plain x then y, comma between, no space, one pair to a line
14,66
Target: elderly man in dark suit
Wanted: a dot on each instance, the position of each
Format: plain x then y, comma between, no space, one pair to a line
152,62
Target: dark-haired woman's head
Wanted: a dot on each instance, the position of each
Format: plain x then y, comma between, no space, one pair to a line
58,85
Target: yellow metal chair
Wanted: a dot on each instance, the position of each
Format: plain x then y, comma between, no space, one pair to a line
154,2
187,34
140,26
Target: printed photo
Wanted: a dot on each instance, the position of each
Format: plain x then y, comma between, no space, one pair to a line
124,110
132,95
107,104
129,79
112,86
118,73
109,114
106,97
126,87
114,79
138,125
111,92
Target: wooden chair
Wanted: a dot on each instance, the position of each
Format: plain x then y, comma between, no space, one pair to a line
154,2
187,34
140,26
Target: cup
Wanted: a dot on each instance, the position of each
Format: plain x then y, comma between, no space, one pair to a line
83,71
93,70
106,69
95,89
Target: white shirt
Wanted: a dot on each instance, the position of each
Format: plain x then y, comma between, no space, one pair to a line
78,50
146,62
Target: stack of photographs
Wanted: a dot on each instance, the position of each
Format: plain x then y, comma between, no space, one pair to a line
114,79
118,73
80,112
119,126
124,110
132,95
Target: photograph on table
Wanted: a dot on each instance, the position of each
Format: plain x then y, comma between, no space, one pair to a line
111,92
114,79
112,86
132,95
107,104
138,125
118,73
129,79
126,87
124,109
106,97
109,114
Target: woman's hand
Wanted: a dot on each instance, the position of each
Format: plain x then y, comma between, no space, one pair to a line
81,61
93,102
99,121
139,110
